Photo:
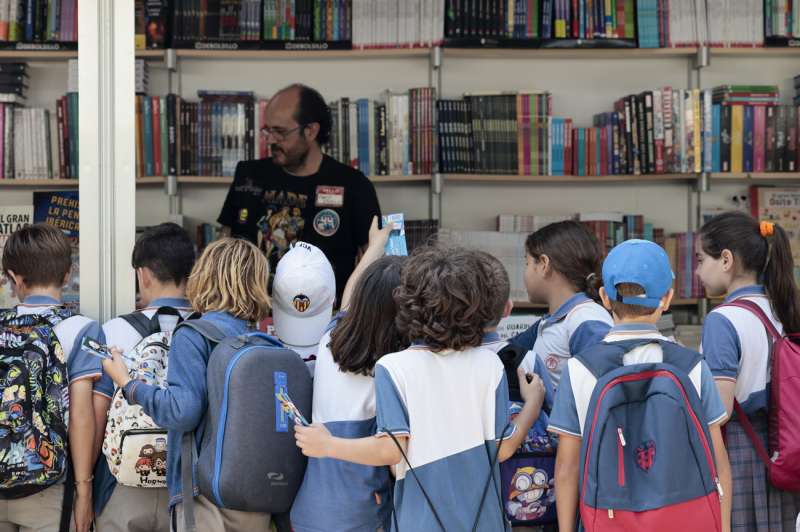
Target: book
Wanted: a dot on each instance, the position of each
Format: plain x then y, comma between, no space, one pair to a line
61,210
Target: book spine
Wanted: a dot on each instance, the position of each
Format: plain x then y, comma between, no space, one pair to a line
747,148
737,139
147,112
172,139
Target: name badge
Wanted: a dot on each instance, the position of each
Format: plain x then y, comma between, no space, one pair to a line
329,196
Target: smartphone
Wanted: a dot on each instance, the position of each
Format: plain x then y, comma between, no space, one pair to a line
93,347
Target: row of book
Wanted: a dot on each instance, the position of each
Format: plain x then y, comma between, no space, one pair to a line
394,136
14,79
38,21
301,24
207,137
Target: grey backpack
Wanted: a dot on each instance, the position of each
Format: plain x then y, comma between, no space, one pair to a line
248,459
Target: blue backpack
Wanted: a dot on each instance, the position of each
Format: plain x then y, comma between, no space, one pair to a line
647,462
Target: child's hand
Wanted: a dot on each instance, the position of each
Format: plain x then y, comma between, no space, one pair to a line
379,237
533,391
116,368
314,440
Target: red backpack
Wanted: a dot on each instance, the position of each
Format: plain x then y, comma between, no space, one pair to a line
783,459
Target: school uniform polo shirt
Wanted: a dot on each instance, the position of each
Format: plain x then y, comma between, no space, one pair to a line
453,406
572,398
736,346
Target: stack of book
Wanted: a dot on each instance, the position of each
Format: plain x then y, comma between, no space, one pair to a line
67,135
142,76
391,24
39,21
680,248
420,233
393,136
201,21
782,19
521,223
14,79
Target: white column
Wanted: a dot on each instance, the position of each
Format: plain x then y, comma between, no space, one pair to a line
107,156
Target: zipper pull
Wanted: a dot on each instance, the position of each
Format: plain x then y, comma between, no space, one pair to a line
621,436
610,513
719,488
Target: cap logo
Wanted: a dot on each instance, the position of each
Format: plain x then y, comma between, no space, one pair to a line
301,303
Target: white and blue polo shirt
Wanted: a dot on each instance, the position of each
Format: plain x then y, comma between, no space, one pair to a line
736,347
493,341
339,495
453,406
577,383
577,324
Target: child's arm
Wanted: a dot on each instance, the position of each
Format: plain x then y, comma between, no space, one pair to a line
82,447
100,404
724,474
533,394
316,442
566,478
181,405
375,250
726,388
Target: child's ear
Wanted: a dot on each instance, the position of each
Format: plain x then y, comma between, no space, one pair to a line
604,298
667,300
544,263
65,280
16,279
508,308
727,260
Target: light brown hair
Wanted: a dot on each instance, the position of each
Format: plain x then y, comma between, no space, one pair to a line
443,298
626,310
231,276
41,254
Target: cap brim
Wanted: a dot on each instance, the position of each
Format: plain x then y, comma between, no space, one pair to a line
305,331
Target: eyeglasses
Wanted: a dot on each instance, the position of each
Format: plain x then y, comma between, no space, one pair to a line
278,133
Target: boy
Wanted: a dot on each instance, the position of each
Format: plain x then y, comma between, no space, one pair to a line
637,289
163,258
37,260
444,400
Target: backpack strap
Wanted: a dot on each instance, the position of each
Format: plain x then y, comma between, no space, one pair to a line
141,323
188,457
512,356
605,357
207,330
759,313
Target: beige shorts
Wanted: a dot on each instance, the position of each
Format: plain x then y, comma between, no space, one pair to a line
40,512
135,510
211,518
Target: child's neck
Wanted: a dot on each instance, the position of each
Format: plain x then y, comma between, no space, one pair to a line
652,319
167,292
51,292
560,292
741,281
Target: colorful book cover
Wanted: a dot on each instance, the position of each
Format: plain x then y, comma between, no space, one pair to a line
11,219
780,205
60,209
737,139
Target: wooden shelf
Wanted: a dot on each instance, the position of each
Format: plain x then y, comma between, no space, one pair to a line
756,52
757,176
378,53
570,178
39,183
39,55
570,53
222,180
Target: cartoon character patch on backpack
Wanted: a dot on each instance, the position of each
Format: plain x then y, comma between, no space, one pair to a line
135,447
34,408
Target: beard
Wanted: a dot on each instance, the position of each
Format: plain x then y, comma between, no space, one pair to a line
292,158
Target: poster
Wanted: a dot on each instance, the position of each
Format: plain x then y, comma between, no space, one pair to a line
11,219
60,209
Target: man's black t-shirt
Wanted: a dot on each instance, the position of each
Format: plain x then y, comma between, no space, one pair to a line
331,209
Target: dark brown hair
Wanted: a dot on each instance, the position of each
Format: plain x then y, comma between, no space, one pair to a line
626,310
573,251
501,285
770,258
367,331
41,254
442,298
167,251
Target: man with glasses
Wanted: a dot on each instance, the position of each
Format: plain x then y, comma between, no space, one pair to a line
300,193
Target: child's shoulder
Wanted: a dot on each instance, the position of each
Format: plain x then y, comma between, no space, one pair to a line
589,310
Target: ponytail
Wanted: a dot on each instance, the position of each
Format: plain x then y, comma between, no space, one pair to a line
779,280
762,249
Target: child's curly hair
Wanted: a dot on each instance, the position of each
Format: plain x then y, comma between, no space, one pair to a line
444,298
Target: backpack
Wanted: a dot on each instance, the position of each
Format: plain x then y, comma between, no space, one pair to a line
135,447
783,459
248,458
35,403
527,479
647,461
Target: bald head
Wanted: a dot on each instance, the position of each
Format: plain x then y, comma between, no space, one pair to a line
303,106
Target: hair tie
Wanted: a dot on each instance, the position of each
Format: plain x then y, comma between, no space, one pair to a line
767,229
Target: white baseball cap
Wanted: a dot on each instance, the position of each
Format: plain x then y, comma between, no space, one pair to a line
303,293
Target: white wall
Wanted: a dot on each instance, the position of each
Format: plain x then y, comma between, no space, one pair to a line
580,87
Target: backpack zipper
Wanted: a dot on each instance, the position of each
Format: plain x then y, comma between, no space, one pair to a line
620,459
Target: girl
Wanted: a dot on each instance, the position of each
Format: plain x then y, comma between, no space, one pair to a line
338,495
228,285
563,265
739,257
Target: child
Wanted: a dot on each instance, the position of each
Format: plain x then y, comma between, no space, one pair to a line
338,495
229,286
303,293
37,260
637,289
563,261
444,400
745,260
163,258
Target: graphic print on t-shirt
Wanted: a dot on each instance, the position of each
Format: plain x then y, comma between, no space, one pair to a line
284,222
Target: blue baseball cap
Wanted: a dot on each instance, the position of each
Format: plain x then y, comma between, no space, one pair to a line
638,262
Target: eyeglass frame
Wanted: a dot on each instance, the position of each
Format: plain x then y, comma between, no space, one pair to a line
267,131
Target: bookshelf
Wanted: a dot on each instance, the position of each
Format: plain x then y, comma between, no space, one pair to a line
38,183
